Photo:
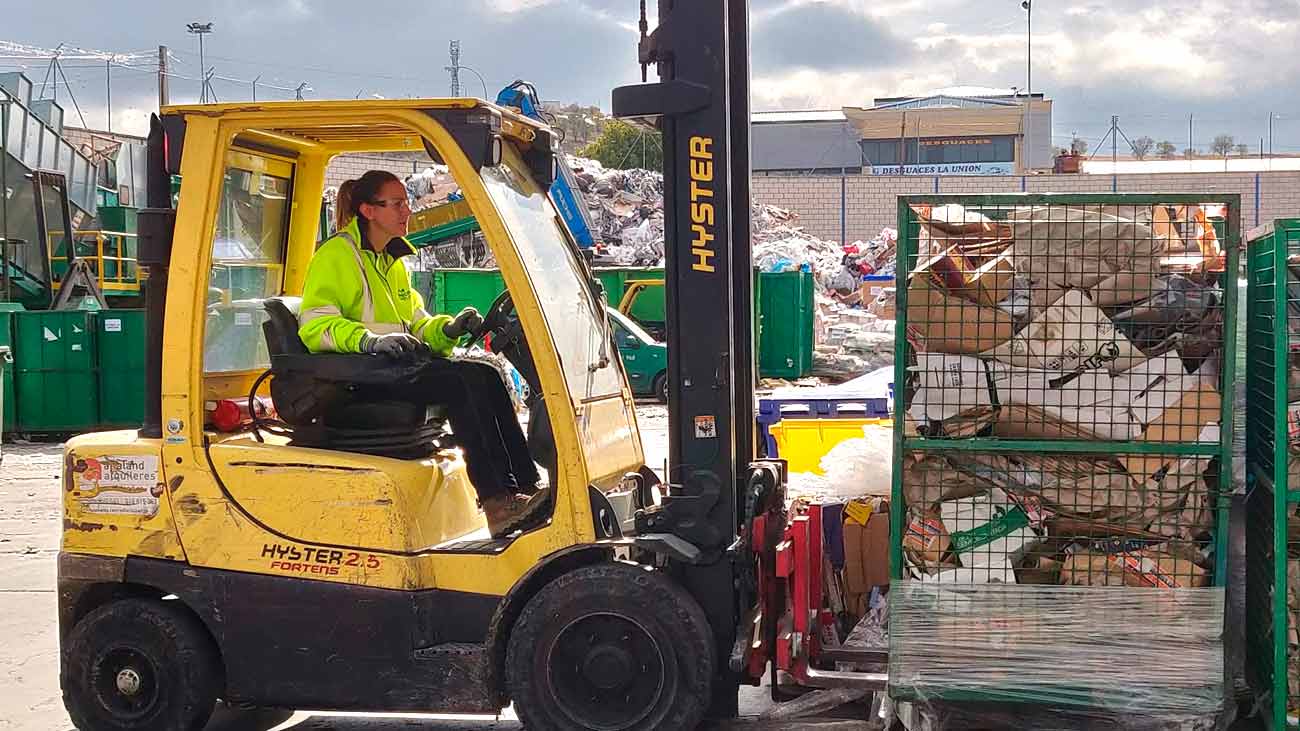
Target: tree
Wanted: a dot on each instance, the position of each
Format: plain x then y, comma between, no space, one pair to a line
578,125
622,146
1166,150
1079,146
1223,145
1243,150
1142,147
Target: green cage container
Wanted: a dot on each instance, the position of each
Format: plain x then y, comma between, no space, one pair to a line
1062,457
55,376
120,345
1272,440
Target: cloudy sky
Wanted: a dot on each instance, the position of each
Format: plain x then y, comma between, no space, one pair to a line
1152,62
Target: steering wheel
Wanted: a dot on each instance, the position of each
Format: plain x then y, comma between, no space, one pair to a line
495,319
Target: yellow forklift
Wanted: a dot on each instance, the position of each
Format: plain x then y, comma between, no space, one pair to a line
333,556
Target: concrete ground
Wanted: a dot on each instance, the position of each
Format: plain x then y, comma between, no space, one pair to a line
29,543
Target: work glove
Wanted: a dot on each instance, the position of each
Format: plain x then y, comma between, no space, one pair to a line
392,344
468,321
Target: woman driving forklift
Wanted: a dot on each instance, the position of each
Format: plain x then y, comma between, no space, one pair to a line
358,299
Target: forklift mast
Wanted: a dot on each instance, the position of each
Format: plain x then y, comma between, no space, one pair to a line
701,103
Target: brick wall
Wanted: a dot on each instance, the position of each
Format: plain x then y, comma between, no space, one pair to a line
354,166
871,201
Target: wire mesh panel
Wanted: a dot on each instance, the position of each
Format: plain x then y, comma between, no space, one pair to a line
1059,519
1063,436
1273,440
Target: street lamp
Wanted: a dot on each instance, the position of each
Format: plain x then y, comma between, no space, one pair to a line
1028,76
200,30
1028,5
472,71
1271,117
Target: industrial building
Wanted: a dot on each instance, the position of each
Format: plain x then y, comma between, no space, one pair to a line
959,131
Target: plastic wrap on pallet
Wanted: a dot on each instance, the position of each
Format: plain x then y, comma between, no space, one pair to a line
1132,657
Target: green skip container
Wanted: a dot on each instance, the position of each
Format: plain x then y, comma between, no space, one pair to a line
9,409
119,349
55,380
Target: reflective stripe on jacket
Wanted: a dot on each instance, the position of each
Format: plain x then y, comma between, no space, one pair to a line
351,290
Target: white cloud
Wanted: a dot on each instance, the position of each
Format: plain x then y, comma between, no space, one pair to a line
515,6
809,89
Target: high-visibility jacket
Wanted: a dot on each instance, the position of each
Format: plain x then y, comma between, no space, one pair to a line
352,290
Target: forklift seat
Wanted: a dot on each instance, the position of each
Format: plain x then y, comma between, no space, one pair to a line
346,401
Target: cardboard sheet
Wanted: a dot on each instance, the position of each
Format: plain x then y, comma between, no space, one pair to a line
1072,334
939,322
1181,423
1147,568
1075,247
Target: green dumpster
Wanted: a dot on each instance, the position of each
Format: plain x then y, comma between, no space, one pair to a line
5,359
8,409
455,289
54,366
785,340
120,354
121,219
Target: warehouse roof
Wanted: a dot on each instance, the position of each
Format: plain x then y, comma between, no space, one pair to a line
803,115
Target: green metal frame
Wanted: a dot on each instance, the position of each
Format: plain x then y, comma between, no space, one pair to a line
908,230
1271,499
442,232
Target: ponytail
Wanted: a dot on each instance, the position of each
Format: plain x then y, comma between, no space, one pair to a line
343,205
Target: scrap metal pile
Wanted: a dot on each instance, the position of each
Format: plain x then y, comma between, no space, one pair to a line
626,209
853,322
1090,323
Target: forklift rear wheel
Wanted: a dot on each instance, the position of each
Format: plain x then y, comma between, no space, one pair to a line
661,388
140,665
611,647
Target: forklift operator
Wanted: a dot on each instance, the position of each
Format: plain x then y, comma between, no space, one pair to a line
358,299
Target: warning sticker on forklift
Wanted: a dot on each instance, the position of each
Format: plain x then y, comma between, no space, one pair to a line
126,485
706,427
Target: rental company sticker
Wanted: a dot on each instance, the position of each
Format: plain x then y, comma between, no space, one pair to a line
113,325
706,427
118,485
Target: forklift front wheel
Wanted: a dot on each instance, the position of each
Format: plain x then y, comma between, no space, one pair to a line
613,647
142,665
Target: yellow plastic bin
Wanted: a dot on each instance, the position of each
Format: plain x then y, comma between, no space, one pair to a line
803,442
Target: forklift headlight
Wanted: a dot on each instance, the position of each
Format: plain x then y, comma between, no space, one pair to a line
495,158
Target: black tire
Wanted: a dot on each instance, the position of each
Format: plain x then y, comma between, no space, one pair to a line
661,388
158,648
612,647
